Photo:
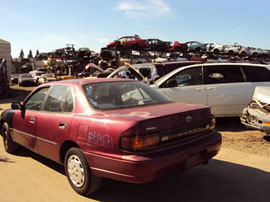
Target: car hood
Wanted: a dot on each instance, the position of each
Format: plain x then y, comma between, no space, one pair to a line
160,117
262,94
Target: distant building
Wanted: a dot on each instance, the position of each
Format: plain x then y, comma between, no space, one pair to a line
5,53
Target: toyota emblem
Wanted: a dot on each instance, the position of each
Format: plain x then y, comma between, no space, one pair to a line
188,119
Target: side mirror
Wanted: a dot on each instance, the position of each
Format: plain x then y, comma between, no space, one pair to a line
172,83
16,105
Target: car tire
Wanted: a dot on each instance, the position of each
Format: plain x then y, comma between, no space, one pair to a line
197,50
9,145
243,54
135,47
78,172
255,55
231,53
216,52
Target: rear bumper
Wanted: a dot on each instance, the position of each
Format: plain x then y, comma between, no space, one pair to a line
144,168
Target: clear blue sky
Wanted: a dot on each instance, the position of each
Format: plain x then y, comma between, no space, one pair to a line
51,24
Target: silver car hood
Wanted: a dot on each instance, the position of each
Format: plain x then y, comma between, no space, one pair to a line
262,94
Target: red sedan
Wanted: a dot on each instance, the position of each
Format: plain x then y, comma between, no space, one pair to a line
129,42
110,128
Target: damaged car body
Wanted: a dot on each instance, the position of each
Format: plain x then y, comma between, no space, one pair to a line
257,114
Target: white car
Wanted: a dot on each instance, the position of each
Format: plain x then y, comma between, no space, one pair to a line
36,75
232,49
226,87
44,78
214,47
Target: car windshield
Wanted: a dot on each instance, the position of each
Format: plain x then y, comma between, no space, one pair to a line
118,95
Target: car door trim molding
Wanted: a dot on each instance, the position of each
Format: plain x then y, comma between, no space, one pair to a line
39,138
23,133
47,141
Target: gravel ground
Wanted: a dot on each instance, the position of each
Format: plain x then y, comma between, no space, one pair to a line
235,135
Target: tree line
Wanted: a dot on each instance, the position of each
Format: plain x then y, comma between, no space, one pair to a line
30,55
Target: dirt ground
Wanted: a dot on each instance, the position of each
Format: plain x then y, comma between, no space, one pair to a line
235,135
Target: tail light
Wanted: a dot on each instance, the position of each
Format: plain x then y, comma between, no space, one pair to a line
213,124
138,143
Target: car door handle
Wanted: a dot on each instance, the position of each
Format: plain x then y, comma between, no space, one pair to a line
211,88
62,125
32,120
200,89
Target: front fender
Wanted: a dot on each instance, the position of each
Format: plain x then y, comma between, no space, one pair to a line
7,116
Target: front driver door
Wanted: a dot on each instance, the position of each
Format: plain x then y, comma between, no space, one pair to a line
25,120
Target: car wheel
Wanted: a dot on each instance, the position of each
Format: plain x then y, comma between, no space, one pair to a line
198,50
216,51
255,55
135,47
243,54
78,172
9,145
231,52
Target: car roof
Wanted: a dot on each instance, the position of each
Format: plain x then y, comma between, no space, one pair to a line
161,79
82,82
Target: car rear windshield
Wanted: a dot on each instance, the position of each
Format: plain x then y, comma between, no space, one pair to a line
118,95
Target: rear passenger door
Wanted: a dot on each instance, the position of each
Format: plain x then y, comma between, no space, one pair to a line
227,90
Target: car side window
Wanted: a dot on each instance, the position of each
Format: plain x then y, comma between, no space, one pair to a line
36,100
146,72
59,99
224,74
189,77
257,74
69,101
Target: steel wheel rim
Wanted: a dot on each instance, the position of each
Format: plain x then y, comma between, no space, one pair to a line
75,171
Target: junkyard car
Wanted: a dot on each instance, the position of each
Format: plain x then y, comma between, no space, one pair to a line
158,45
14,78
226,87
36,75
177,46
113,128
47,78
129,42
214,47
26,80
257,114
195,46
232,49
